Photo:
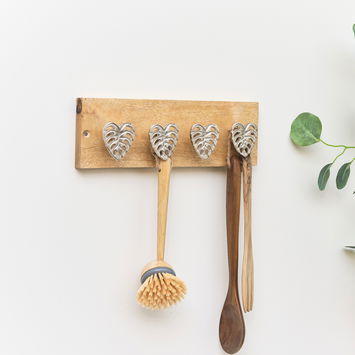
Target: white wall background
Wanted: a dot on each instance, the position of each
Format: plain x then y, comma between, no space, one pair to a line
73,243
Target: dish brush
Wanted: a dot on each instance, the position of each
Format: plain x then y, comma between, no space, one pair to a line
160,287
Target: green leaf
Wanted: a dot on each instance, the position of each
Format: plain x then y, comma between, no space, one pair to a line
343,175
354,28
306,129
324,176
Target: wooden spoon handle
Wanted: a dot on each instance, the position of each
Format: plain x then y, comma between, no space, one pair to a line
233,214
164,169
248,263
231,325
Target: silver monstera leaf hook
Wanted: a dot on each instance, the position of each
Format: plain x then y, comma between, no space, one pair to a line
164,140
204,139
118,139
244,138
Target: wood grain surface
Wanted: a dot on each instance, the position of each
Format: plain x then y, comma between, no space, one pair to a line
248,262
231,324
92,114
164,170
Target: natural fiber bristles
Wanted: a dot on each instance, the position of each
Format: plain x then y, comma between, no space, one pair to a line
161,290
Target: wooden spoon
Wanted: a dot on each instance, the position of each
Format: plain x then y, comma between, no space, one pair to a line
231,324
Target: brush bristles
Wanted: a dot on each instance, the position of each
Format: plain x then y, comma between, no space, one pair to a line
161,290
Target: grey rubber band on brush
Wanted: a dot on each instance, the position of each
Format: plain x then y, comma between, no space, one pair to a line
157,270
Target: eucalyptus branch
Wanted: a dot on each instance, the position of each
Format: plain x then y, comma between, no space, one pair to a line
306,130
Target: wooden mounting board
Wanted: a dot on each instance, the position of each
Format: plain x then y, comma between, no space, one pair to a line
93,114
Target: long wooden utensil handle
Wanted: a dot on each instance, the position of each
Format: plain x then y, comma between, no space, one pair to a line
231,325
233,214
164,169
248,263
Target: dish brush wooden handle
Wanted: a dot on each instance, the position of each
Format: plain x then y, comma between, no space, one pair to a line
164,169
248,263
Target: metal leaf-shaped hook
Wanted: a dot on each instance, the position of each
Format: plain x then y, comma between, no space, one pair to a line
204,139
118,139
164,139
244,138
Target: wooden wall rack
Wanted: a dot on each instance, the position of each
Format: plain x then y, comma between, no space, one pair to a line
93,114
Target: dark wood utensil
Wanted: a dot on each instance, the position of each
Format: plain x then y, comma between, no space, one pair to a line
231,324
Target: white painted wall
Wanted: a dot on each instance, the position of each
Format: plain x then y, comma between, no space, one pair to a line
73,243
